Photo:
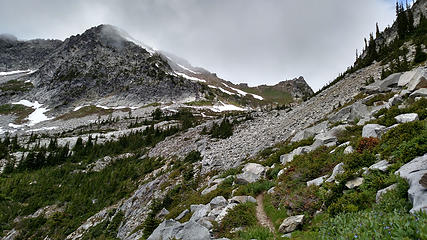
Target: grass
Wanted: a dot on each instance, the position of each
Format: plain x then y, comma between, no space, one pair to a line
16,86
20,111
253,189
86,111
200,103
380,97
276,215
255,232
242,215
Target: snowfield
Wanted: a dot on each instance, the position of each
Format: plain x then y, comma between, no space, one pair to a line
28,71
243,93
187,69
190,78
35,117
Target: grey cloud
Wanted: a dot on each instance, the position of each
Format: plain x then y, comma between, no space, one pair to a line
254,41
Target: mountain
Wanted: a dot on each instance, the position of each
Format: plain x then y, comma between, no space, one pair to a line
105,64
346,163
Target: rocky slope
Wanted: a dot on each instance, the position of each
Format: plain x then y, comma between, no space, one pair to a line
327,168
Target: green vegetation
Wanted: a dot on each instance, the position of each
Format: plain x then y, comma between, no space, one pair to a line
242,215
380,97
276,213
255,232
348,213
18,110
253,189
223,130
16,86
86,111
200,103
394,53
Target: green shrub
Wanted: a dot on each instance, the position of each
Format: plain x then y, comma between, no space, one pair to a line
380,97
356,160
253,189
400,135
243,215
276,214
193,156
374,225
351,202
256,232
223,130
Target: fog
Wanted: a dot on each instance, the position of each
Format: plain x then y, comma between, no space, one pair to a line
252,41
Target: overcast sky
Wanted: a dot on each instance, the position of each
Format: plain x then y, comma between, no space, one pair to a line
253,41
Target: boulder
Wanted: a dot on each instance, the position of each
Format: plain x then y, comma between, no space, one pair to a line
372,130
162,213
338,169
201,212
209,189
357,110
218,201
310,132
405,118
354,183
252,172
409,76
271,190
381,165
383,191
390,81
318,181
205,222
194,207
348,150
404,93
193,231
422,92
285,158
418,81
182,214
324,140
413,172
166,230
215,212
383,85
395,100
224,212
290,224
246,177
242,199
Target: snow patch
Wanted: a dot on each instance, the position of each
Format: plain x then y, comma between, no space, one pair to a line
28,71
220,108
190,78
222,90
80,107
35,117
187,69
42,129
115,108
243,93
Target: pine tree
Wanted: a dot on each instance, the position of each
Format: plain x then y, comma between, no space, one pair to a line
377,33
410,16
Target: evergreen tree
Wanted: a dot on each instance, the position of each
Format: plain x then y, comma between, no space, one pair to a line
420,56
377,33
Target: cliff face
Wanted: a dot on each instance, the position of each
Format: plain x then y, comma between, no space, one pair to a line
97,64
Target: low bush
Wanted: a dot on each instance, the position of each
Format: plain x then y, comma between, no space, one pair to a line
243,215
253,189
367,144
256,232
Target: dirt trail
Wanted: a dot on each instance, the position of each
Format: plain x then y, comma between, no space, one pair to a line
261,215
